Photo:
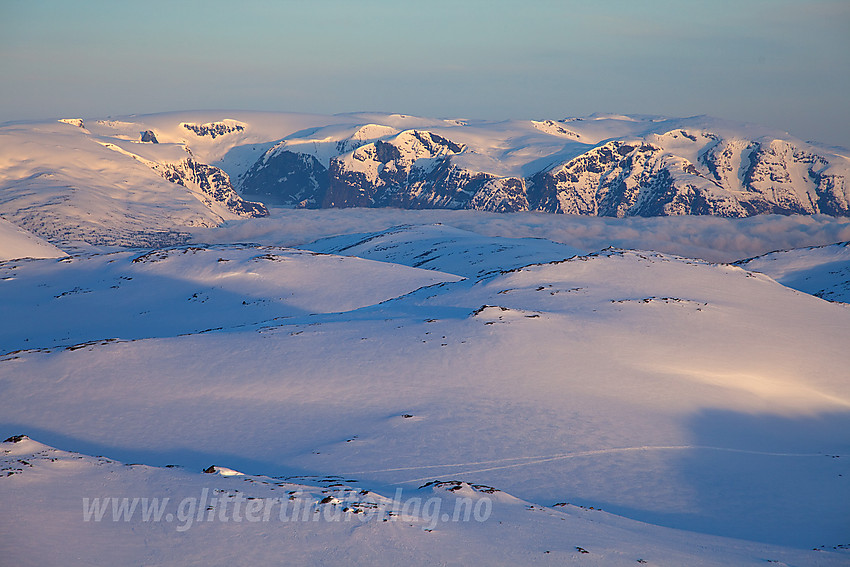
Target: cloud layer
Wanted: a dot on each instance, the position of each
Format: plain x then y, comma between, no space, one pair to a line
711,238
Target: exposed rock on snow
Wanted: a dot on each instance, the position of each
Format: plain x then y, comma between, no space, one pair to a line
213,184
106,512
213,129
78,122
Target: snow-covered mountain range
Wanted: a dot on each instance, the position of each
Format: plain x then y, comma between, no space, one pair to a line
599,165
60,180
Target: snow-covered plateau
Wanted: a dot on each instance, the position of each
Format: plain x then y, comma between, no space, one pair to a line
194,370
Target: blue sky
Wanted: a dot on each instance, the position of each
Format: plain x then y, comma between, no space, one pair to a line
781,63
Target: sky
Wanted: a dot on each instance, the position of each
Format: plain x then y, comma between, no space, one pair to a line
780,63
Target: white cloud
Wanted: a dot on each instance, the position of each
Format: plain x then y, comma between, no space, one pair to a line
711,238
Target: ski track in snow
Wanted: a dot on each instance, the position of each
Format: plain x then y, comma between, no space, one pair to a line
546,458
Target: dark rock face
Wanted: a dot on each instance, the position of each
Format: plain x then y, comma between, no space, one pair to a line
288,179
417,171
501,195
214,184
373,175
348,189
149,136
641,179
832,194
413,170
618,179
772,178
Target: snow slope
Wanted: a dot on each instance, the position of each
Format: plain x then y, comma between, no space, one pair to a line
168,292
324,521
18,243
823,271
670,391
444,248
88,181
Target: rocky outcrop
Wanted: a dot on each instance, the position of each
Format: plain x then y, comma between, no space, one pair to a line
287,178
620,179
213,129
412,169
212,184
730,178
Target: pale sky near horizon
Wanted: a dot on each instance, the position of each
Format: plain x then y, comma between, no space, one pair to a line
781,63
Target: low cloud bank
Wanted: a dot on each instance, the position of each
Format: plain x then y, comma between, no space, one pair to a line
711,238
